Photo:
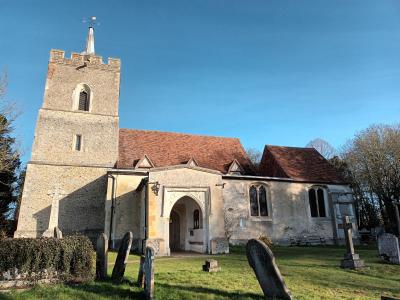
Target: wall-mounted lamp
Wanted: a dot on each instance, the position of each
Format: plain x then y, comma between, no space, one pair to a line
155,188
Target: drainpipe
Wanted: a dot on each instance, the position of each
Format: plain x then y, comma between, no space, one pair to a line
113,197
146,215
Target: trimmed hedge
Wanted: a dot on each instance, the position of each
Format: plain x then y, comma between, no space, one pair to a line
70,258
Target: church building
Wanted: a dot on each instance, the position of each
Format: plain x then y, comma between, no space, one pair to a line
174,191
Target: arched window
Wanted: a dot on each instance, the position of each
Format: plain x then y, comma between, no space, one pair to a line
82,97
83,101
196,219
316,197
258,201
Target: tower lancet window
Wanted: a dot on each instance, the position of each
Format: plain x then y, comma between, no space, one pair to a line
83,101
78,142
82,97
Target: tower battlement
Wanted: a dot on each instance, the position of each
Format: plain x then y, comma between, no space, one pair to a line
78,59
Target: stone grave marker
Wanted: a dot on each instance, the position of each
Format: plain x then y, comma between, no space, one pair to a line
122,257
101,256
211,265
351,259
388,247
148,269
262,260
140,279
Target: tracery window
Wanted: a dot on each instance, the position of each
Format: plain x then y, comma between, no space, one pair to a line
316,198
258,201
196,219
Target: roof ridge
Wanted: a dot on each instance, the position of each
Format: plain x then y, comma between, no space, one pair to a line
291,147
181,133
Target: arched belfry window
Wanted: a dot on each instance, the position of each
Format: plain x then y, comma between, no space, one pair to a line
83,101
82,97
316,197
196,219
258,201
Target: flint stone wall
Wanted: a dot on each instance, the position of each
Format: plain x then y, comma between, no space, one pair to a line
81,208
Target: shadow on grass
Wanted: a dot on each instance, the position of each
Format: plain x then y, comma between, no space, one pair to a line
108,288
172,289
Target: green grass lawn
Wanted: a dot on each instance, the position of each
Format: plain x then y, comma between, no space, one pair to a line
309,272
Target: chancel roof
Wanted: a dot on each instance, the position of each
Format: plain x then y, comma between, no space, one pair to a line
170,149
300,164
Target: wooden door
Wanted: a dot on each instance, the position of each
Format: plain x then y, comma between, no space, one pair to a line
174,232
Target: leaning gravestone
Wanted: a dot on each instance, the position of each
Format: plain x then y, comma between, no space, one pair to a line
148,270
140,279
351,259
101,256
388,247
122,257
262,260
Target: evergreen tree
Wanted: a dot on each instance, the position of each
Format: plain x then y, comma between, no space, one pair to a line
8,177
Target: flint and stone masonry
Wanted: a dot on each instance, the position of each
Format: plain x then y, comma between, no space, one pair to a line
174,192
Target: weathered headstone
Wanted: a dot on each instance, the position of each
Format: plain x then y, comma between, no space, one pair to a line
262,260
388,247
122,257
149,273
211,265
101,256
351,259
140,279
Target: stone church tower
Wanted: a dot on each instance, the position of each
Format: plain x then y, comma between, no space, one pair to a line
75,144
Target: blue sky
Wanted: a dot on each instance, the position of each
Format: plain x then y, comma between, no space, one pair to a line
269,72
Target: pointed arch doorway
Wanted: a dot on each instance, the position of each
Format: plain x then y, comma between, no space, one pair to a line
186,231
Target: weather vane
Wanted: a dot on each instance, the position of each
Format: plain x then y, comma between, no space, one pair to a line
92,21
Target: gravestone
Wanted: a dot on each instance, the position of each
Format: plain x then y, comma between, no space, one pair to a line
122,257
351,259
388,247
140,279
262,260
211,265
101,256
148,269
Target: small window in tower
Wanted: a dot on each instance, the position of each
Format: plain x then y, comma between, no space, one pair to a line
83,101
78,142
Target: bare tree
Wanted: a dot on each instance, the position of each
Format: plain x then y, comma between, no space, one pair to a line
323,147
254,156
373,157
9,154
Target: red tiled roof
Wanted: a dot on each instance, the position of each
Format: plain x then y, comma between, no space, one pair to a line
169,149
300,164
